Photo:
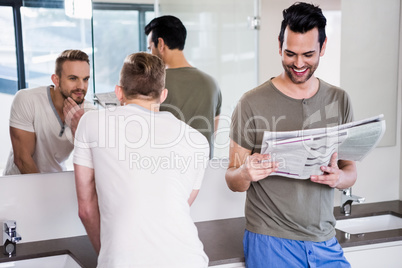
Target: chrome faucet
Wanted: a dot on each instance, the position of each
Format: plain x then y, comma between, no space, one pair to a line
347,199
10,237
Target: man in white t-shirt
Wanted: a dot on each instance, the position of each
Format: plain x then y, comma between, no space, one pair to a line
43,120
137,171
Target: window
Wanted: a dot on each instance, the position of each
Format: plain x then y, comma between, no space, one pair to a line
8,63
8,75
118,31
46,33
40,30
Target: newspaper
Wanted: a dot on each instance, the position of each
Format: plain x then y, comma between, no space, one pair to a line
107,99
301,153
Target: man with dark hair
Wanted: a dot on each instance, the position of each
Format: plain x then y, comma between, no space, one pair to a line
137,172
290,222
43,120
194,96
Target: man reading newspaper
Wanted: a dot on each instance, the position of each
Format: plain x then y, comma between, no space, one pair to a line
290,222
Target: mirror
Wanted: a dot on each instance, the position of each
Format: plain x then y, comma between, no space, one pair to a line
223,45
40,20
112,22
368,65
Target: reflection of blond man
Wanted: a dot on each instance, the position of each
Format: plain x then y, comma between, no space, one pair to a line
43,120
138,213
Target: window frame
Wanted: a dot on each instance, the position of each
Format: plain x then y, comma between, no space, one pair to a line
19,51
141,8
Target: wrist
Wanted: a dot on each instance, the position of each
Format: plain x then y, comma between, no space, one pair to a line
245,174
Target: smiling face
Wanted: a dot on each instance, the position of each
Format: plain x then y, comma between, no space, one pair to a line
301,54
73,81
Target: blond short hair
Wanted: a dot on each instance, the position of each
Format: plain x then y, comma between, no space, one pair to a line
142,75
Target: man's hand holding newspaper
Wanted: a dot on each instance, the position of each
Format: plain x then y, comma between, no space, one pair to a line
301,153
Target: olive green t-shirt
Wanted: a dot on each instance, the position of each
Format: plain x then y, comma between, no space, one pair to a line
195,98
279,206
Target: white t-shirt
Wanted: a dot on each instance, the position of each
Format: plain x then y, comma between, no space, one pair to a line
33,110
146,165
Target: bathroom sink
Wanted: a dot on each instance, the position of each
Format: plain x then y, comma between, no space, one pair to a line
58,261
369,224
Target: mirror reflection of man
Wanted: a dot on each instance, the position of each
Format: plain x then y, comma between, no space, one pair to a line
43,120
194,96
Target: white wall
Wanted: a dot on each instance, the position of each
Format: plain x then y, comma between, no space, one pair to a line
369,66
215,200
369,73
399,101
45,205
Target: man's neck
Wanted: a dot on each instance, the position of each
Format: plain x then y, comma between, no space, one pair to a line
57,99
296,91
175,59
151,105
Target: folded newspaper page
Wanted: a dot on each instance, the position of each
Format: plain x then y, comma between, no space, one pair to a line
107,99
301,153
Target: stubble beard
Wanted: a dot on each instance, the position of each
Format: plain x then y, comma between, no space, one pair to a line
70,94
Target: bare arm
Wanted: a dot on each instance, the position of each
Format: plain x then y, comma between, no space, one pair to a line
24,143
245,168
88,209
192,197
338,174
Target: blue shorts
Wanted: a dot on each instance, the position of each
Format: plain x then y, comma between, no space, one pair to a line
262,251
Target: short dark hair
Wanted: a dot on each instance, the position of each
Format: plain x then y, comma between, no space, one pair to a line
170,29
142,75
301,18
69,55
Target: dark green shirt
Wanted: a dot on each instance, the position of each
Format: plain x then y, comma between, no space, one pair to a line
195,98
